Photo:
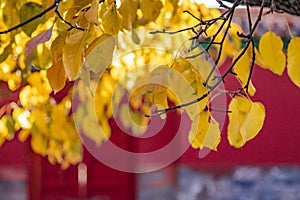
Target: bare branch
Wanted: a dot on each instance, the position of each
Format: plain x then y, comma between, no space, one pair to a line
249,40
289,6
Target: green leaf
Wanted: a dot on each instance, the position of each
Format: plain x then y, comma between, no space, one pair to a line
7,51
27,11
9,122
10,14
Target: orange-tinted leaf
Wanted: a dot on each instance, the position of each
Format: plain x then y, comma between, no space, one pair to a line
57,76
92,14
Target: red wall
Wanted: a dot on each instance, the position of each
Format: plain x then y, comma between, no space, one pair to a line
277,143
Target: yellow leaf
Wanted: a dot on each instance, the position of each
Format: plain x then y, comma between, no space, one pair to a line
150,9
173,97
124,116
293,65
159,79
91,130
92,14
7,127
72,53
242,69
2,140
238,107
198,130
55,152
105,129
73,152
181,65
100,53
128,11
253,122
245,120
57,46
23,135
270,54
160,99
112,20
21,118
39,144
174,4
56,76
40,120
204,11
213,135
204,133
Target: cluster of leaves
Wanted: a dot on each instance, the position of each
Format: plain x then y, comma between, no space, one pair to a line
45,45
222,38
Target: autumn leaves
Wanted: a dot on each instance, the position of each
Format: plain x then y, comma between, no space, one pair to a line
83,45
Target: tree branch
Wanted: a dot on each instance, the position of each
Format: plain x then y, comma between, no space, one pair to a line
54,5
289,6
249,40
50,8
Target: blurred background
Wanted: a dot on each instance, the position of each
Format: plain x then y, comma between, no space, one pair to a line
268,167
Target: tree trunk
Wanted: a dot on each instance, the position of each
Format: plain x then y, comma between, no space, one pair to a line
288,6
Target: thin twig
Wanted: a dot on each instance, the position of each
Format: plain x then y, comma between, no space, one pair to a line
228,71
218,110
50,8
220,50
224,18
54,5
66,22
253,51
